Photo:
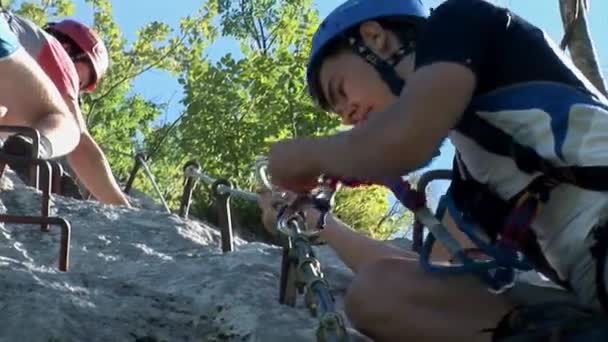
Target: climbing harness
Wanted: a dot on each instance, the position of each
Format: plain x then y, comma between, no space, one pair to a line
547,321
497,271
300,268
523,207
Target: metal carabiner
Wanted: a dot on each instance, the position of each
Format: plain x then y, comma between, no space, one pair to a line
260,167
260,172
290,224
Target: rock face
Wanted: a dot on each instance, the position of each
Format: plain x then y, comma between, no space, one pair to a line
142,275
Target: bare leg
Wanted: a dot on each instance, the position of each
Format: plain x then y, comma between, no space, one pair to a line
32,100
61,131
393,300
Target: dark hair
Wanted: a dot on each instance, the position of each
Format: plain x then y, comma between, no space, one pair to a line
404,27
73,50
69,45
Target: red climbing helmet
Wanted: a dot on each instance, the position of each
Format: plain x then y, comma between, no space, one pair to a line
90,42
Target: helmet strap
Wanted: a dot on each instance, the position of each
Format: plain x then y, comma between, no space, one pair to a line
386,68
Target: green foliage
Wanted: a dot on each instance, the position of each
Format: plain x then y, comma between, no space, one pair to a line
40,11
365,209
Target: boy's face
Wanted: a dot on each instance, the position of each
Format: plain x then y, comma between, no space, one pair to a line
85,74
353,88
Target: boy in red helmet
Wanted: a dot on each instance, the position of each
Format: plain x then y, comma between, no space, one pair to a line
75,59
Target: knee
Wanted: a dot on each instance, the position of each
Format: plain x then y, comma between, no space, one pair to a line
371,297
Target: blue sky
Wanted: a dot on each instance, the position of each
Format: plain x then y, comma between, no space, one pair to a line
132,14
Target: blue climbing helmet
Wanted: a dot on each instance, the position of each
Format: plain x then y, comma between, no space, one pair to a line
349,15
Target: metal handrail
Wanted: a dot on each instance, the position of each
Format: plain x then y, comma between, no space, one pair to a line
191,171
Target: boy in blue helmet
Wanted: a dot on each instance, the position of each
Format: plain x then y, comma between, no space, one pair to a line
529,130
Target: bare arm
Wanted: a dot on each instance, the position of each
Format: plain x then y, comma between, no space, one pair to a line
352,247
407,133
92,168
89,162
356,249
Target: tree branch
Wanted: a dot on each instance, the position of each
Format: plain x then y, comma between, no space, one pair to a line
249,21
579,42
390,213
262,36
157,145
131,76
